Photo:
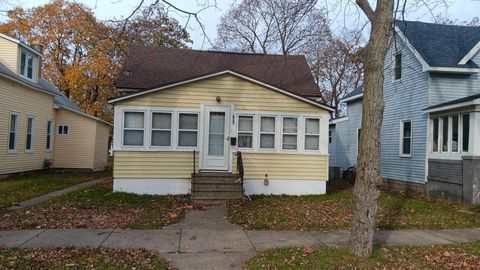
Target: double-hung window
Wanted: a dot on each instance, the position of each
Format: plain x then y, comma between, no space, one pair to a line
312,134
161,129
289,136
397,69
245,131
30,128
187,129
63,130
26,64
267,132
49,134
13,131
133,128
406,138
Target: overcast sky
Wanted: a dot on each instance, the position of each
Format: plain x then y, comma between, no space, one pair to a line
340,12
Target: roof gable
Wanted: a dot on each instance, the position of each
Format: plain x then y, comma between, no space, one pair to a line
441,45
153,67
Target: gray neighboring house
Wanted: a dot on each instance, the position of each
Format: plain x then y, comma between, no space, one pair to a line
431,127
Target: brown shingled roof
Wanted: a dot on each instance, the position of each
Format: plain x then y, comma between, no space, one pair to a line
152,67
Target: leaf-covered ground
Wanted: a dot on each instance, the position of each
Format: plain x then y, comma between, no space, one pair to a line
334,211
17,189
99,207
80,258
458,256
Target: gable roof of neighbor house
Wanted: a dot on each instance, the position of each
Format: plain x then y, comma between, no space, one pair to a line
153,67
354,95
59,98
442,45
455,103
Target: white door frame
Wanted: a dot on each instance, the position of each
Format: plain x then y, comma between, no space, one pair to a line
204,114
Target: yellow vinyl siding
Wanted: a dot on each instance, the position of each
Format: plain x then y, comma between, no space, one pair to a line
101,146
9,54
26,102
284,166
77,149
244,95
153,165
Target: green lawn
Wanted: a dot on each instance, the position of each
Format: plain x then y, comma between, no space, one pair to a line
80,258
457,256
334,211
18,189
99,207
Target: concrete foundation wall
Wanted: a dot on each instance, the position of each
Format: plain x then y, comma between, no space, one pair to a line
471,179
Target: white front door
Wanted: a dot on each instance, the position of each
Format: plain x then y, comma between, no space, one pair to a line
216,144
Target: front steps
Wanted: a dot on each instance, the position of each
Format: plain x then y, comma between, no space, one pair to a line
216,186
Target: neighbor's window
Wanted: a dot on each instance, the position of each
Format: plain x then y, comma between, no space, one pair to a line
26,64
436,122
445,134
330,132
465,131
267,132
133,128
12,138
49,134
359,135
245,131
406,138
312,134
161,129
289,139
29,142
63,130
454,145
398,67
187,129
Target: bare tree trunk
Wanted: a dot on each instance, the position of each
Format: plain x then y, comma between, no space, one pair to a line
367,186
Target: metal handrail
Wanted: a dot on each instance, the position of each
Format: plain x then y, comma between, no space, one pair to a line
240,169
194,171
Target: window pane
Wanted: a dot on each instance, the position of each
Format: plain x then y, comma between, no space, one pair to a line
188,121
13,131
28,145
407,129
406,146
23,62
267,141
289,141
161,120
216,144
13,123
290,125
65,130
133,137
435,135
445,134
187,138
455,133
29,125
11,141
398,66
133,120
30,67
245,140
312,142
48,141
161,138
245,123
312,126
465,132
29,142
267,124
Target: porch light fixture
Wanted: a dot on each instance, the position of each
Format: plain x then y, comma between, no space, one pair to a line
219,99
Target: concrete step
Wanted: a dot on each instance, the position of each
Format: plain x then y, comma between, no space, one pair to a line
217,195
216,187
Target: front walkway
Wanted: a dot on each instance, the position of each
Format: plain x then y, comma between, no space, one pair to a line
206,240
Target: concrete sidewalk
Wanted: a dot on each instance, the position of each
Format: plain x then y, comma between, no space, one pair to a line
206,240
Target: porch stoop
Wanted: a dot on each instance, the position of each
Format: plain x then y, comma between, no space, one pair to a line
216,186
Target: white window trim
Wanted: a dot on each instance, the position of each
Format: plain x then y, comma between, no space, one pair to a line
14,150
34,65
394,64
31,135
299,128
177,130
253,132
151,129
146,121
447,154
63,134
274,133
52,133
402,123
308,134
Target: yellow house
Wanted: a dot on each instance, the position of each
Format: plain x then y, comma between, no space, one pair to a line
202,122
39,126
